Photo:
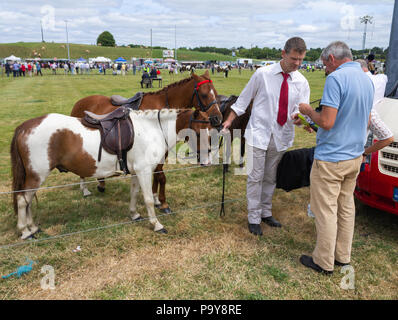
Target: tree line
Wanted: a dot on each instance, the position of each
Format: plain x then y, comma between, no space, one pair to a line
313,54
266,53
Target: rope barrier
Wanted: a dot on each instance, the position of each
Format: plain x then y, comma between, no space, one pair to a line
65,235
107,179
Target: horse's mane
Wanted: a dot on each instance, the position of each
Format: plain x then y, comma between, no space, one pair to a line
171,85
165,114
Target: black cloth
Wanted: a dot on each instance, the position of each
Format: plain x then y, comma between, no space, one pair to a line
294,169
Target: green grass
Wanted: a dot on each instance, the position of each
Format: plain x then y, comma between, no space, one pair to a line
203,256
59,50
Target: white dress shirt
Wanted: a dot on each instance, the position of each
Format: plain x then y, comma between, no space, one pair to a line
379,82
264,88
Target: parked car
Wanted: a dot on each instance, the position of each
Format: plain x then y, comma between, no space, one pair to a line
377,184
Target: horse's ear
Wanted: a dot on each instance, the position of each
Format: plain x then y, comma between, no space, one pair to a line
196,77
206,75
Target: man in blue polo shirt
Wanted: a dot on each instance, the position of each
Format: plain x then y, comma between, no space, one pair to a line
347,101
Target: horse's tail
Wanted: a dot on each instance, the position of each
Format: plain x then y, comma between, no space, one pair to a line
17,168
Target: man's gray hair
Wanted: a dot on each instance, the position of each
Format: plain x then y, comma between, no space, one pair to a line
363,63
338,49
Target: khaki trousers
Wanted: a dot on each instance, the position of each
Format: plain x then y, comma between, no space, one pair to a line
261,181
332,202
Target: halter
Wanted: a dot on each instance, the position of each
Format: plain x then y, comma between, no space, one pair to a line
213,119
191,119
202,107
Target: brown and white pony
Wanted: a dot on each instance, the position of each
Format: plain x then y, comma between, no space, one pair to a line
195,91
54,141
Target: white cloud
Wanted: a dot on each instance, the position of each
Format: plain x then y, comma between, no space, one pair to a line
199,23
307,28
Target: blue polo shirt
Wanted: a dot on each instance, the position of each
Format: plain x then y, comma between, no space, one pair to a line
350,91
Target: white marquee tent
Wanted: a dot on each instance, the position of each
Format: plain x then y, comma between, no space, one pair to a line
101,59
12,58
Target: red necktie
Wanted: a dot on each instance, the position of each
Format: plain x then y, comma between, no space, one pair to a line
283,100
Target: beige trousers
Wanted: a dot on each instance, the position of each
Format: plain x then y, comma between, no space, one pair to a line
332,202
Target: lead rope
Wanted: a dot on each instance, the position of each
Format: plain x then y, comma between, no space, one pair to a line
161,129
224,170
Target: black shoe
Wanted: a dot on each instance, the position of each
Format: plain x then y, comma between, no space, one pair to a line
271,221
255,229
309,263
340,264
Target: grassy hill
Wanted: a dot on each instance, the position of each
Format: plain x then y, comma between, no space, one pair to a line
59,50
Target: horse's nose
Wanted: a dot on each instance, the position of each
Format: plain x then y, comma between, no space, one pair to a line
216,122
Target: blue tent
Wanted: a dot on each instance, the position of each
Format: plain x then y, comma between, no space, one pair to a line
81,60
120,59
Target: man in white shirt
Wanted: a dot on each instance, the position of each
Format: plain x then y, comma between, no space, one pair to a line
376,125
379,81
277,91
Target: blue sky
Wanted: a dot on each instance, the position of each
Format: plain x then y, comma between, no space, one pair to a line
226,24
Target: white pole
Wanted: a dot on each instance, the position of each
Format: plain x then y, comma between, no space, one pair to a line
67,40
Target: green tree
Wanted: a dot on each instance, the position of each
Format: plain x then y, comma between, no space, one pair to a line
106,39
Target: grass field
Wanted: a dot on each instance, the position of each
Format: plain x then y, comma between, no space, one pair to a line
59,50
203,256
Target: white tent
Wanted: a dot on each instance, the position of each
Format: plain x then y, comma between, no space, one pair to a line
12,58
101,59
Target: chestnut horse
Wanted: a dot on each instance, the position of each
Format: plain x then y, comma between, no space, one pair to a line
196,91
54,141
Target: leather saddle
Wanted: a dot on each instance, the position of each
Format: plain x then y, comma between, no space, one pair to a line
117,133
132,103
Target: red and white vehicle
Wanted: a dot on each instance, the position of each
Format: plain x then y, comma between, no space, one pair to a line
377,185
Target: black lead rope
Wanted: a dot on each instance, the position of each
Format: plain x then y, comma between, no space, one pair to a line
224,170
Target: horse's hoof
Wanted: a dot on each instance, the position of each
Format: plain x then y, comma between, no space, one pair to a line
36,232
100,189
31,237
158,205
162,231
137,219
166,210
241,165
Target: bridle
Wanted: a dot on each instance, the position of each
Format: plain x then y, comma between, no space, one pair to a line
213,119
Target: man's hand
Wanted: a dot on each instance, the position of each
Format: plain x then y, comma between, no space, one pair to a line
298,122
226,125
305,109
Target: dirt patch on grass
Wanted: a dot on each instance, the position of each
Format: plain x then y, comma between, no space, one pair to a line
109,270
